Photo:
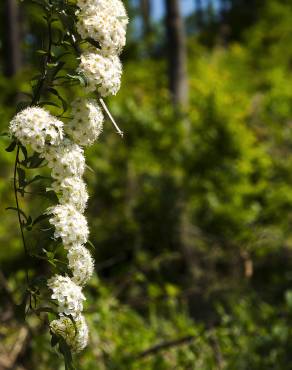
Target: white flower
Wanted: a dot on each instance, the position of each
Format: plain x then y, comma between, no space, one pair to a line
103,73
67,294
75,334
81,264
86,123
92,6
71,190
36,127
70,225
65,160
105,22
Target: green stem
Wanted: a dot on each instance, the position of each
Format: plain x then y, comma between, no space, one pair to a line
47,60
15,186
35,100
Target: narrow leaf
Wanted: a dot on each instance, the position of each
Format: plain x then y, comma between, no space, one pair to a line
11,147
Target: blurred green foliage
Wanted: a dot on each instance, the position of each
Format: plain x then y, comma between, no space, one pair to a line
190,215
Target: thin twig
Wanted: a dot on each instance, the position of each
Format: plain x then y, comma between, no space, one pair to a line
18,210
47,60
111,117
166,345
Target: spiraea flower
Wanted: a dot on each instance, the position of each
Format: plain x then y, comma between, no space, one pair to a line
102,72
113,8
71,190
75,334
70,225
36,127
104,21
68,295
81,264
86,123
65,160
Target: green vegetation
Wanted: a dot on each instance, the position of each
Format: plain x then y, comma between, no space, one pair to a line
190,214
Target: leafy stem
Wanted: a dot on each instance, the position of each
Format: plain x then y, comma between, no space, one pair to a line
15,186
47,60
35,99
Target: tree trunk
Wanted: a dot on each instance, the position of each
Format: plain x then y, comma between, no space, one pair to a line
177,55
146,16
12,47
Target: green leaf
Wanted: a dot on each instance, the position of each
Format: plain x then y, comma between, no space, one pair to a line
28,222
42,52
52,65
66,352
43,103
22,105
80,78
11,147
40,219
21,177
33,161
63,101
93,42
62,55
91,245
23,150
54,340
89,168
37,178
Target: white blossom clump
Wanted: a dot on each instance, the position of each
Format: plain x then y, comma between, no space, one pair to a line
75,334
67,294
86,123
102,72
105,22
36,127
81,264
71,190
65,160
70,225
116,7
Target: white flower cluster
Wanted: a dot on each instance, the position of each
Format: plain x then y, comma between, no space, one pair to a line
70,225
86,123
67,294
105,22
81,264
102,72
75,334
36,127
65,160
71,190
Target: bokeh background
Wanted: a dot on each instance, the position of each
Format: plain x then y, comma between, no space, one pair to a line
190,213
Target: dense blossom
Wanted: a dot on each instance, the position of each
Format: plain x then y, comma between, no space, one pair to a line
75,334
70,225
81,264
71,190
86,123
114,7
65,160
102,72
67,294
36,127
105,22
